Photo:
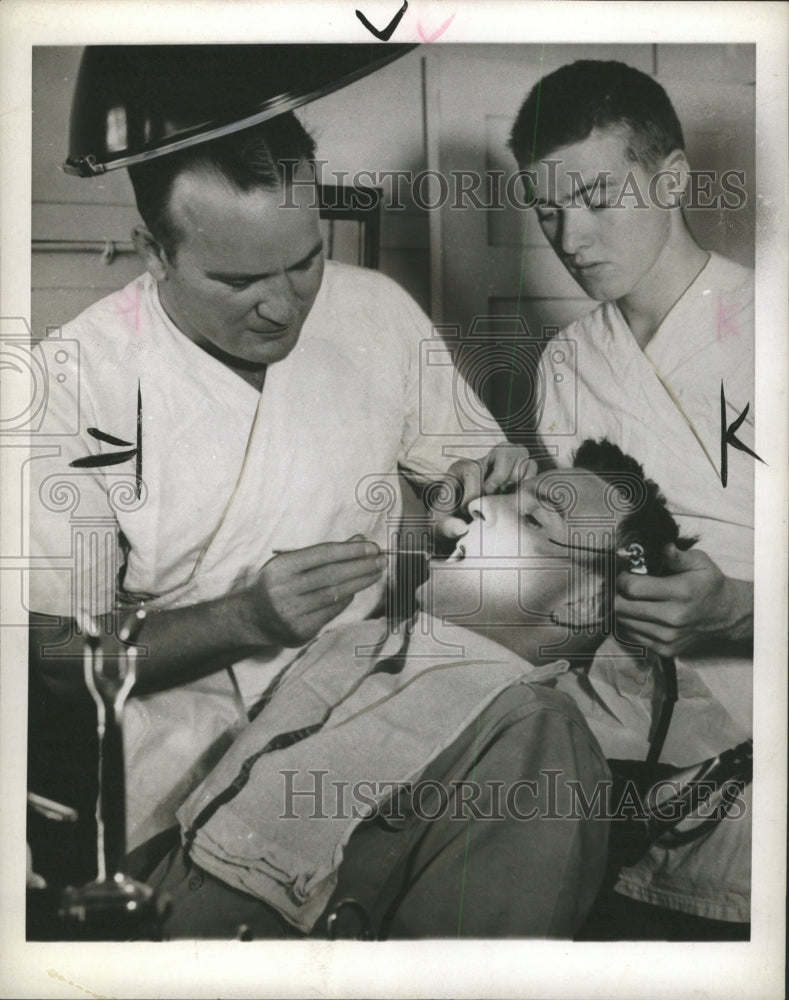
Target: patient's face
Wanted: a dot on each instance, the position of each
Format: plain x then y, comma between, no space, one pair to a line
514,567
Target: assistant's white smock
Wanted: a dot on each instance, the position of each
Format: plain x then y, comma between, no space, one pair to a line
662,405
228,475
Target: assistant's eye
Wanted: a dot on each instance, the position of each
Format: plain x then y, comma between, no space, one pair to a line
237,285
531,519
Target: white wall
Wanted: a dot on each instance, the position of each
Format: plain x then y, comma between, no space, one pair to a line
403,118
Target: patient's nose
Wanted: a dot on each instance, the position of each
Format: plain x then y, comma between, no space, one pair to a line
490,533
493,507
484,513
477,508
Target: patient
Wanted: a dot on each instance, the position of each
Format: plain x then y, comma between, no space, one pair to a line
429,782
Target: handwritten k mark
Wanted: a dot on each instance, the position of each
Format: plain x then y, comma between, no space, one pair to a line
389,30
729,437
117,457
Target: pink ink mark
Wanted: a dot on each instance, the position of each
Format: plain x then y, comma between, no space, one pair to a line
131,304
436,34
725,328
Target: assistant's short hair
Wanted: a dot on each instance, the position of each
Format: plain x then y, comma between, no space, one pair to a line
650,523
260,157
566,105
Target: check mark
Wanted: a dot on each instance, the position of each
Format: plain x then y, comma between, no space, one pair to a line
436,34
389,30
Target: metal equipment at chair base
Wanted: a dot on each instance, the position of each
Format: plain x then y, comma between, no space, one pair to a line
113,906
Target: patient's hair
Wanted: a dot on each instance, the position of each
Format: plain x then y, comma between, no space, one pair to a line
649,523
260,157
566,105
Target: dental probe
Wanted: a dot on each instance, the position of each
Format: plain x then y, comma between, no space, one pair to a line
383,552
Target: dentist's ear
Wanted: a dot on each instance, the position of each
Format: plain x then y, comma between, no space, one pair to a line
150,252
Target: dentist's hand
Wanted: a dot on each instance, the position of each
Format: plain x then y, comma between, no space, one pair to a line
504,466
297,593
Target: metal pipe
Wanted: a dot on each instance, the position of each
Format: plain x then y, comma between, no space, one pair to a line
107,249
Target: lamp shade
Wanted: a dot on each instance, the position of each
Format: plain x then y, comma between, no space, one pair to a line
136,102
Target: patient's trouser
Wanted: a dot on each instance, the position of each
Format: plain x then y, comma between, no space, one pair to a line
516,847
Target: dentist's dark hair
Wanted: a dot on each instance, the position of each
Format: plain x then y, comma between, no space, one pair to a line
260,157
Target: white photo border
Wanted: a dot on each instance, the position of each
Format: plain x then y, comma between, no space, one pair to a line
436,969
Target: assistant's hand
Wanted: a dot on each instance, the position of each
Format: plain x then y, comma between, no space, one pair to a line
504,466
686,611
297,593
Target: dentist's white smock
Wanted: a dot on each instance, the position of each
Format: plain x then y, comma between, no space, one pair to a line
228,475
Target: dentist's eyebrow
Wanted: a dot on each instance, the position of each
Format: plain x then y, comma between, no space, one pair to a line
239,276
